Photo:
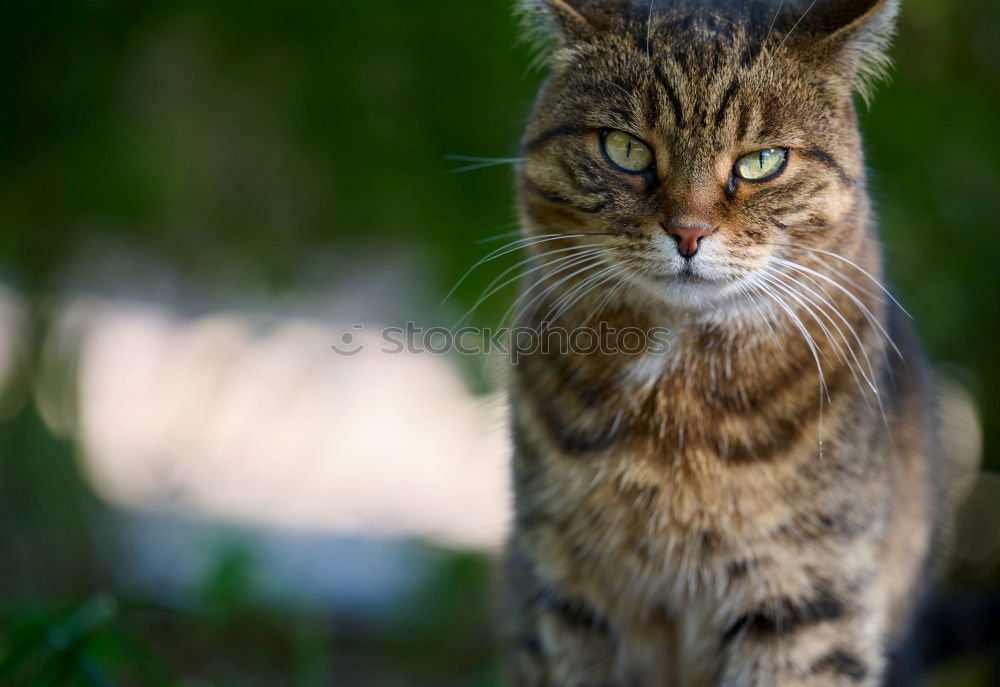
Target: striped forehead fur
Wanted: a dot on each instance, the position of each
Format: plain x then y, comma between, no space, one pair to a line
850,35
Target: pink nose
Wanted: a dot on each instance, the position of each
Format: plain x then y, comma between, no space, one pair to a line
688,238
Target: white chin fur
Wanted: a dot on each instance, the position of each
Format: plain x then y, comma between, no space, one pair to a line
712,287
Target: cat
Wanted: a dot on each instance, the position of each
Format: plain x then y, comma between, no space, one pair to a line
760,502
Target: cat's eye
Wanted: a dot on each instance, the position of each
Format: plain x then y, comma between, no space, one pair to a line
627,152
761,165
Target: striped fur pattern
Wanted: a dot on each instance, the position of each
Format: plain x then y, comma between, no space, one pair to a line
757,505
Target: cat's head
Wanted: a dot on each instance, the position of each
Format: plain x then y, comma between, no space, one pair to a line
689,146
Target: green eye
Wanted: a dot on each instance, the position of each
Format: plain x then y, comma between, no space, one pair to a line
762,164
626,152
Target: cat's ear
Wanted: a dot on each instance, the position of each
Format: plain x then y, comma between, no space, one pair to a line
560,21
552,25
855,34
562,16
569,20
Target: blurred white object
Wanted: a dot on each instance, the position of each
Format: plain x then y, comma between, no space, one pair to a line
254,421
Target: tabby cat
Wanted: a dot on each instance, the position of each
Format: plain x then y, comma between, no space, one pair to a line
756,503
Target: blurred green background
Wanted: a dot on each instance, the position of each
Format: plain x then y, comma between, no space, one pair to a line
258,150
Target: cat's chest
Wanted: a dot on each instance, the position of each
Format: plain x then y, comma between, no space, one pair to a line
644,538
693,410
661,475
663,579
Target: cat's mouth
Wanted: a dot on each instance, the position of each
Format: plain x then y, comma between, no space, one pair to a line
686,276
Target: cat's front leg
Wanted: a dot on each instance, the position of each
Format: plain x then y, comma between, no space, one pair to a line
829,636
555,645
554,638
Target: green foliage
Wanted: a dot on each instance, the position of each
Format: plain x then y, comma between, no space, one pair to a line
72,647
934,155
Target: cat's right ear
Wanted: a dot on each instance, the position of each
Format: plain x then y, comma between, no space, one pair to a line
568,17
562,20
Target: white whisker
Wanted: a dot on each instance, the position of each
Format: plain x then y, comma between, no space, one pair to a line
579,254
481,162
581,291
857,301
544,294
649,26
808,304
797,323
508,248
790,31
521,303
773,19
852,264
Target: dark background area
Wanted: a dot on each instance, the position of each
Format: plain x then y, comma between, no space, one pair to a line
254,148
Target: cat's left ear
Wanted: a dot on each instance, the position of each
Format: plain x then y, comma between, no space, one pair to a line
853,34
